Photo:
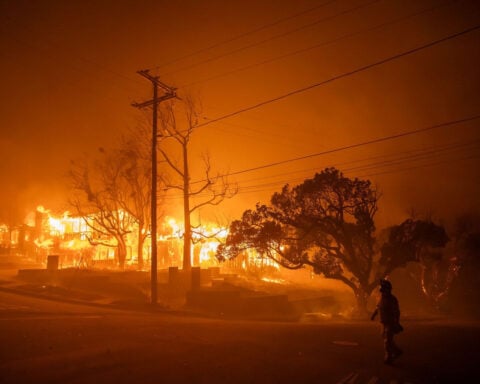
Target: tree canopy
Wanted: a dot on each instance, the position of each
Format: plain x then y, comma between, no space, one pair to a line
419,241
327,222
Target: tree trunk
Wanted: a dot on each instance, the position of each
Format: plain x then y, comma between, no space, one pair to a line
435,286
121,253
361,297
141,240
187,236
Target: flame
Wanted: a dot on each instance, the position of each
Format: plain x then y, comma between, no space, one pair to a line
176,229
273,280
44,244
41,209
69,236
56,225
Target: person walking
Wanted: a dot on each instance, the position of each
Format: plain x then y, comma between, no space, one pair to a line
389,311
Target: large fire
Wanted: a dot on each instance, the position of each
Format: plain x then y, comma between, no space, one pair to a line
73,239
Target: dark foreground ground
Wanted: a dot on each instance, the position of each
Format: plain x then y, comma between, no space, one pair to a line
43,341
99,328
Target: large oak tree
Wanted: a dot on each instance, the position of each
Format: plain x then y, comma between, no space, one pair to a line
327,223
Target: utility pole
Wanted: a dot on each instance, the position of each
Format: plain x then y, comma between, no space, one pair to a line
169,93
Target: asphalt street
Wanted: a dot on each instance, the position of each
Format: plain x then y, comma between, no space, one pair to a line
45,341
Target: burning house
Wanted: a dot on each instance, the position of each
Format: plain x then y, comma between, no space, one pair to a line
78,244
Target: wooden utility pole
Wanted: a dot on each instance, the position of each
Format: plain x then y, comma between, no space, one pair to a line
169,93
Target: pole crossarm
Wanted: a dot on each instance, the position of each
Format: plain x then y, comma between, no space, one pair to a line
148,103
170,92
155,79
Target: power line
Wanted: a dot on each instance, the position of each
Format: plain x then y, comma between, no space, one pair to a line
270,38
401,160
469,157
361,144
335,40
237,37
276,184
319,45
427,155
272,137
378,140
343,75
389,159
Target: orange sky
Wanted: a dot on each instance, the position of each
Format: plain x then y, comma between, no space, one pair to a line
69,76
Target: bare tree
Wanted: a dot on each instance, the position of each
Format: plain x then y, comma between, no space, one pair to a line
178,121
118,180
98,190
135,156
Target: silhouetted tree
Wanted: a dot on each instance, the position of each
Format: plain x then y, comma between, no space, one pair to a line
178,121
116,188
465,236
420,241
326,222
97,192
135,156
465,289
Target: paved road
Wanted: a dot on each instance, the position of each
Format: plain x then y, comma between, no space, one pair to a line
43,341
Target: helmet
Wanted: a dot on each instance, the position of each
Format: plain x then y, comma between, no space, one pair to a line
385,285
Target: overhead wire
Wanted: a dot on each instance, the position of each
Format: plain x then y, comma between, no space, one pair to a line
430,151
343,75
275,186
360,144
250,133
400,160
369,172
360,69
242,35
319,45
283,34
370,29
448,161
272,186
340,76
385,158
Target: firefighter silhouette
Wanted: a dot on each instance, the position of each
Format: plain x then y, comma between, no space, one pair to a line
389,312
